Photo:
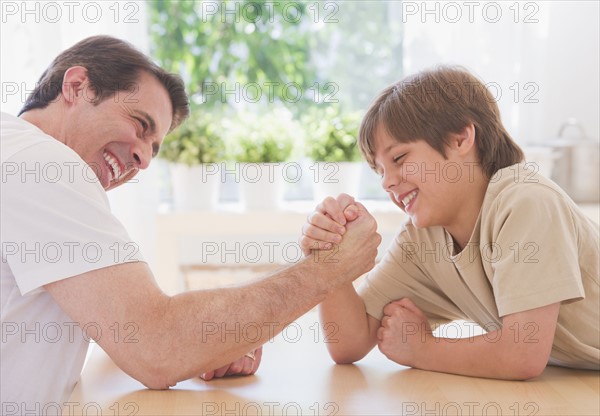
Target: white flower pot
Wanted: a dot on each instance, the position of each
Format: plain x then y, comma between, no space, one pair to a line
261,185
195,187
334,178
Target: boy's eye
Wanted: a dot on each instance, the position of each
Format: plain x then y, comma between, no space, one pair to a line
397,158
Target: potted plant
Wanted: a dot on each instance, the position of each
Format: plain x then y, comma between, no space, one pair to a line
260,145
332,145
195,151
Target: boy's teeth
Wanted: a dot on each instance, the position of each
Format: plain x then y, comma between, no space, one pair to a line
409,198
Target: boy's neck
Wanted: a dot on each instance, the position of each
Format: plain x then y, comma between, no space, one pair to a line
464,223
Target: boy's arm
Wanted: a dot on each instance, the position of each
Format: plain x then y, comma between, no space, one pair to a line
349,331
518,351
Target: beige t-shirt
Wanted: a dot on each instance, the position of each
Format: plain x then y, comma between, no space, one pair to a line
531,247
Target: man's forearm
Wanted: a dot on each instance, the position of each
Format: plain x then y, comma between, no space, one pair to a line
216,327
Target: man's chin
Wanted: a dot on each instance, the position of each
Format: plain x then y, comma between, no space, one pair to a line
114,185
123,180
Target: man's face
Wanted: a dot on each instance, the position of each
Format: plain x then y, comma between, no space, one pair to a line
122,134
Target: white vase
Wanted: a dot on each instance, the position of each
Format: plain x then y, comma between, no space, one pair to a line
195,187
261,185
334,178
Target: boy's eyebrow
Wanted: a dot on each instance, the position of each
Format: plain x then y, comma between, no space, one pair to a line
388,148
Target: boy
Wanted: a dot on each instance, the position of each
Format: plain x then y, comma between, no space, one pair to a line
487,240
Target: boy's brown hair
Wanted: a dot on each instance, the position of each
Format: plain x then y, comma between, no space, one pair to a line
113,65
435,103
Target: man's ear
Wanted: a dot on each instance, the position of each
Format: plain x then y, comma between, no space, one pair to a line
462,143
76,85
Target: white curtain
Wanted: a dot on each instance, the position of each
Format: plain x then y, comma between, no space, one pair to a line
542,58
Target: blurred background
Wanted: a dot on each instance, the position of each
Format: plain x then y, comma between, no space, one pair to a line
278,90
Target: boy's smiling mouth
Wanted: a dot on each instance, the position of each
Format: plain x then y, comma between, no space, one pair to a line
406,200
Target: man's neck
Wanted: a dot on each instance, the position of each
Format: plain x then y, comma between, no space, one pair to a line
46,119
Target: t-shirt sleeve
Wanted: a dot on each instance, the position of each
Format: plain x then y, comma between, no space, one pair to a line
534,250
56,220
399,275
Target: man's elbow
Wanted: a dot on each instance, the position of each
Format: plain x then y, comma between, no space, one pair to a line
153,366
155,375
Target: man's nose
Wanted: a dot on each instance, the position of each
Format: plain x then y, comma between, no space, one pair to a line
141,156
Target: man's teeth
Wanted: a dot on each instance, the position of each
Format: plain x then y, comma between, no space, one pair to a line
115,172
409,197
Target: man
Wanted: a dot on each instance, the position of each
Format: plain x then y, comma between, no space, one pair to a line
69,270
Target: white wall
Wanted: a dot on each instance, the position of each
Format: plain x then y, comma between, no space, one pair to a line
553,46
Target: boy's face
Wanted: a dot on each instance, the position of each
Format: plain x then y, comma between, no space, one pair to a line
420,180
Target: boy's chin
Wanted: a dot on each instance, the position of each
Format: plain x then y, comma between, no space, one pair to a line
420,222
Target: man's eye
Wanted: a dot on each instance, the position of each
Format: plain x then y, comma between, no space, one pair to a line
143,123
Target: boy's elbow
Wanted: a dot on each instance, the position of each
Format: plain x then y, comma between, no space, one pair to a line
342,356
342,359
528,368
530,371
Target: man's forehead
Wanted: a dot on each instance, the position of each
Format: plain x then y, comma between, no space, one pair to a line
154,101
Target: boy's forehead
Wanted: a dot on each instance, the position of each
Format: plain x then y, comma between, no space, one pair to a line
383,141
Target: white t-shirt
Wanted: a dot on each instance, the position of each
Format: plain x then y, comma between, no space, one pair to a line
55,223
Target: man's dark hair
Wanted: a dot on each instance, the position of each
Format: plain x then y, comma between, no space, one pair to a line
113,65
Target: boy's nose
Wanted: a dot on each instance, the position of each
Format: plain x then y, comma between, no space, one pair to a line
387,182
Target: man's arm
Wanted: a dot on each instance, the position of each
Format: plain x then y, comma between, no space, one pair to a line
518,351
160,340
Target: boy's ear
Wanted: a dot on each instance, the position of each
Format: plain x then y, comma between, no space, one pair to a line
463,142
75,85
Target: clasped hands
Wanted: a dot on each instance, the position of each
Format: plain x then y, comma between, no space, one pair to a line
405,331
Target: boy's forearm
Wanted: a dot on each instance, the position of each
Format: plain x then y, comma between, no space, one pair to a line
481,356
346,325
518,351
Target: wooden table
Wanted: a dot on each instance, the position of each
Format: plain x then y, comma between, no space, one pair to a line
297,377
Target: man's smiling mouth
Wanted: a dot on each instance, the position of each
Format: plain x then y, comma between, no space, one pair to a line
114,168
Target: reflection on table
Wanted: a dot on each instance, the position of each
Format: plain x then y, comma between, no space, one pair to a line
297,377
